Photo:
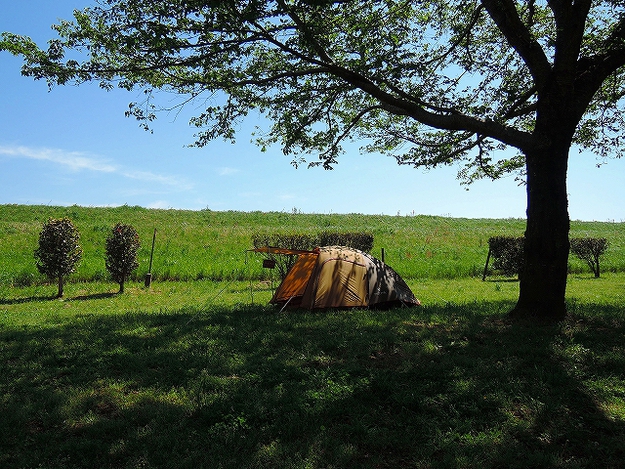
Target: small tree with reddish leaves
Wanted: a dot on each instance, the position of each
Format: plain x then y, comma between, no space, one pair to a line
122,246
58,253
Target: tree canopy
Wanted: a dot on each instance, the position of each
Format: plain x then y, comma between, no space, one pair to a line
429,82
121,250
59,251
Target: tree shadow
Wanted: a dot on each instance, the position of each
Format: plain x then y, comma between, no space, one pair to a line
29,299
501,280
95,296
44,298
246,387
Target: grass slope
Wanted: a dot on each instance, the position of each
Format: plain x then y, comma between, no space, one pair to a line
211,245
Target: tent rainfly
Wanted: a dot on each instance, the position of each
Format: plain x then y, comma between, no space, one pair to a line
338,276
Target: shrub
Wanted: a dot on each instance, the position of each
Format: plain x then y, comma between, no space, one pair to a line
507,254
288,241
303,242
122,246
58,253
362,241
590,250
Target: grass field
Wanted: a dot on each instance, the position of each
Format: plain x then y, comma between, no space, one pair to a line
203,374
195,245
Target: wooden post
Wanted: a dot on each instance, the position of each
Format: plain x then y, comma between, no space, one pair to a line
486,266
148,277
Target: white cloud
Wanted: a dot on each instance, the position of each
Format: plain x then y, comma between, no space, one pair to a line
75,161
225,171
251,195
159,204
158,178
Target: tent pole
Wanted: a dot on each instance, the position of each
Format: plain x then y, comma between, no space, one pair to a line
286,304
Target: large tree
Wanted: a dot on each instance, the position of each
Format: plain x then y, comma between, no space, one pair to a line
431,82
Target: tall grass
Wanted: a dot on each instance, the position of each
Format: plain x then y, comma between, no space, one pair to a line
205,244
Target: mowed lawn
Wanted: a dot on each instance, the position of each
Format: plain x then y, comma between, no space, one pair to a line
204,374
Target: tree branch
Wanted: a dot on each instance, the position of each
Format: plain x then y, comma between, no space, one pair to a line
516,110
302,26
505,16
354,121
570,18
458,41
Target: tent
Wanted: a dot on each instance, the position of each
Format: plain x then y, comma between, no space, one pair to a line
338,276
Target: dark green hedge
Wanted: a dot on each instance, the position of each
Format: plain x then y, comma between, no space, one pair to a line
506,253
357,240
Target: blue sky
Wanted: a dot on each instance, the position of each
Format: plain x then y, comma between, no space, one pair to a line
73,145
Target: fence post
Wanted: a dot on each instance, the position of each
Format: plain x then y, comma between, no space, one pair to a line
486,266
148,276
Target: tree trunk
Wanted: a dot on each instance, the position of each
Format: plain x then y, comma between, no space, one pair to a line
60,283
543,277
121,287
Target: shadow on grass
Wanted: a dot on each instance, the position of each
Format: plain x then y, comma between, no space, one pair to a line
35,299
29,299
501,280
247,387
95,296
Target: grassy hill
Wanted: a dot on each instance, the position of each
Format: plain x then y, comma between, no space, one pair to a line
212,245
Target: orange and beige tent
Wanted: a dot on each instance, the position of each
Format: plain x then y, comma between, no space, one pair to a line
338,276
